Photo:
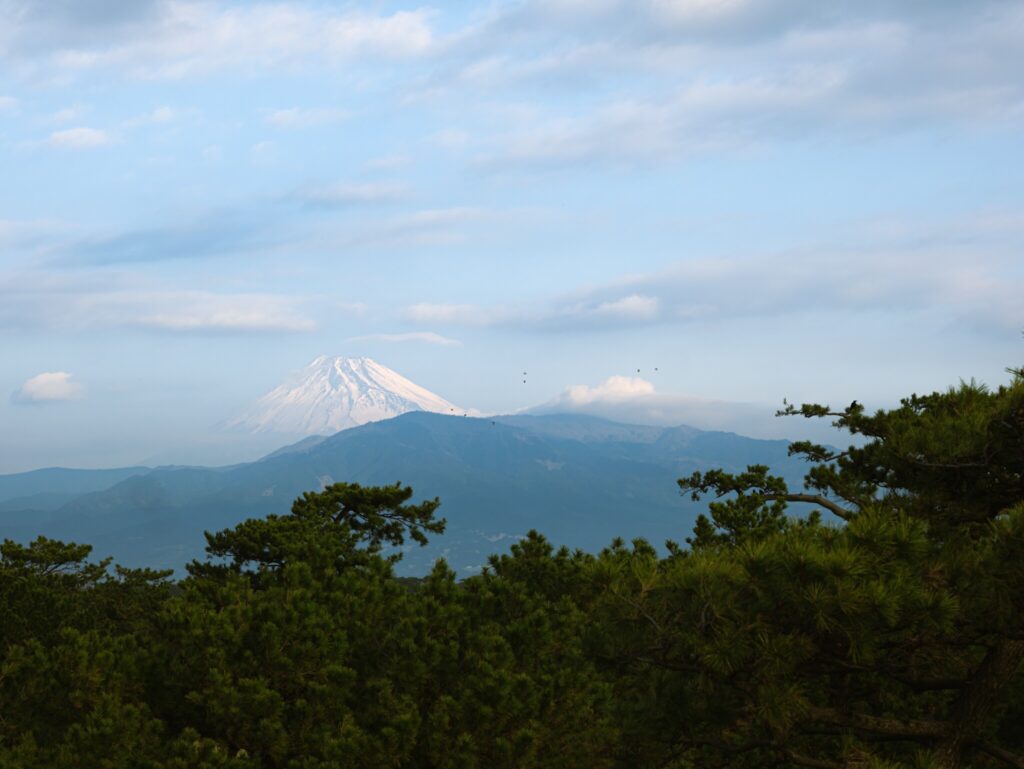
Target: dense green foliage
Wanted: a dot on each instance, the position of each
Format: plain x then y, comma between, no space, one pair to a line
884,629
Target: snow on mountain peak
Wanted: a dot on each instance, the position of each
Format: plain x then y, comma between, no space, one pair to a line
332,394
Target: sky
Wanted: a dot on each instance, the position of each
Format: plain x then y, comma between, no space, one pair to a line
671,210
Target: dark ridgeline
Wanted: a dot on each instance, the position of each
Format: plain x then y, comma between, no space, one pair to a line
884,629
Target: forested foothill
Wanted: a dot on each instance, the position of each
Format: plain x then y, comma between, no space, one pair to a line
874,618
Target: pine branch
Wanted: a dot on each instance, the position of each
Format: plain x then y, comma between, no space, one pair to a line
924,731
1005,756
815,763
916,684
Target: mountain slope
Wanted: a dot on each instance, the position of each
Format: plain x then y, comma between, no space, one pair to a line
333,394
579,480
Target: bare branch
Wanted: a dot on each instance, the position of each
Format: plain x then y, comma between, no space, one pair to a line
815,499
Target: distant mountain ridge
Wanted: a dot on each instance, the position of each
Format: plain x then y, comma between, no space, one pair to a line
51,487
579,480
332,394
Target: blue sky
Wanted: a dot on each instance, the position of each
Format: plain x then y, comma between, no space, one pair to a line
780,198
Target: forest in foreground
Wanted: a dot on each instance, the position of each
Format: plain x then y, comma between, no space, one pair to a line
874,618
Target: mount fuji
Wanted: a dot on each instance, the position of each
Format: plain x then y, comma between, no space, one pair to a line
333,394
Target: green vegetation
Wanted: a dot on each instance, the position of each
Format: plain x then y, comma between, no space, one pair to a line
884,629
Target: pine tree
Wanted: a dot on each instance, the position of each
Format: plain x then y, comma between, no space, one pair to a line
895,633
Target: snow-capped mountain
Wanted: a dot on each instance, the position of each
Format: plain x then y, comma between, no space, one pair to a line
332,394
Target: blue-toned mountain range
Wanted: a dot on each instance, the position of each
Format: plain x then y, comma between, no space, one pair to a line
579,480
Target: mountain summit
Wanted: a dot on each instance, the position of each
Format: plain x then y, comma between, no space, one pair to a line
332,394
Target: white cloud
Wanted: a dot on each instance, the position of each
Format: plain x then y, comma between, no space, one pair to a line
424,337
7,102
48,387
296,117
612,390
79,138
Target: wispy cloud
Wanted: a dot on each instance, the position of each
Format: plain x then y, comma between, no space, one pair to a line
156,116
48,387
422,337
77,302
80,138
425,227
388,163
197,311
34,235
628,309
970,281
68,114
457,314
215,233
297,117
349,194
